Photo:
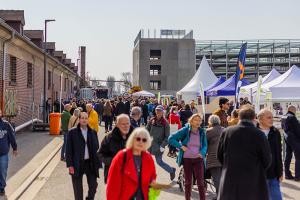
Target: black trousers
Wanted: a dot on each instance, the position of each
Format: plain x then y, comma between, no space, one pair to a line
91,179
108,123
288,158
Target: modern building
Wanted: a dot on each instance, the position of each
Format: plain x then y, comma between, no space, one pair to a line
262,56
164,63
22,70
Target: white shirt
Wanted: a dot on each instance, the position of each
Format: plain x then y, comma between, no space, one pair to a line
86,151
266,132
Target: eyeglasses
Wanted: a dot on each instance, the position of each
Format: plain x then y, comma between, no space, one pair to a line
138,139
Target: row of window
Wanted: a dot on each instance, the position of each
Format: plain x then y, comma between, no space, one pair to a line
155,85
13,76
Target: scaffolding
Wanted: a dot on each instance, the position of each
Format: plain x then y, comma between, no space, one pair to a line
262,56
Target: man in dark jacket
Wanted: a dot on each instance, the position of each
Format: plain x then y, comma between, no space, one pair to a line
292,137
120,107
99,107
81,157
127,106
7,139
245,155
275,171
114,142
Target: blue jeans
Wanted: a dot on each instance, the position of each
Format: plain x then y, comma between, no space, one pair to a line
162,164
274,189
3,170
64,146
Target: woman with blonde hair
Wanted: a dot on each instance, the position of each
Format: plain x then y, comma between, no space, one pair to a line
192,142
132,170
74,120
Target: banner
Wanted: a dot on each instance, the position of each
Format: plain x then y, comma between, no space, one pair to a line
240,70
258,94
202,100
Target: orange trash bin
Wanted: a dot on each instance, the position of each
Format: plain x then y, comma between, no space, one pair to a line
54,119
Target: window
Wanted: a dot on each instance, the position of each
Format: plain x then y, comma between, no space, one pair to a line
29,75
155,85
13,71
49,80
155,70
65,84
155,54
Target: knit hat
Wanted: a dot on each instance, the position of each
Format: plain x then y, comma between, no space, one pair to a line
159,107
223,100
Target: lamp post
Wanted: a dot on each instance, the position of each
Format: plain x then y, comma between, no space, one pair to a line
45,67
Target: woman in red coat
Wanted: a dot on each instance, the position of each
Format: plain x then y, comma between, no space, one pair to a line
174,117
132,169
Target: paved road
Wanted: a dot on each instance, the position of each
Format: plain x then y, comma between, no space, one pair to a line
29,144
58,185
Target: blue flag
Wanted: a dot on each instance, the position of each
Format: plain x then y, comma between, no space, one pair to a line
240,70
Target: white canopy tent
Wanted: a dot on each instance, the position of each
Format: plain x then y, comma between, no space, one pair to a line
286,87
143,93
205,75
250,90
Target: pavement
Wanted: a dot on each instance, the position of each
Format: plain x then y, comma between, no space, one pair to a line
55,183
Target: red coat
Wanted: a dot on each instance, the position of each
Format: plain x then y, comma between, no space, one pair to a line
175,119
123,184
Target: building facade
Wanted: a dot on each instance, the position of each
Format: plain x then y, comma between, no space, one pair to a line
163,64
262,56
22,71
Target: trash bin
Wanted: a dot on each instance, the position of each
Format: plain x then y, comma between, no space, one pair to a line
54,124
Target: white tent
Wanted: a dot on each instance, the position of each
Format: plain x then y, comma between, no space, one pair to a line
269,77
246,90
205,75
143,93
286,87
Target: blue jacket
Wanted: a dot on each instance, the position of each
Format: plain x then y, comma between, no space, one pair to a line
7,138
182,137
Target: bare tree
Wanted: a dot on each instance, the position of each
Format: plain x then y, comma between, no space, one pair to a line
111,82
127,78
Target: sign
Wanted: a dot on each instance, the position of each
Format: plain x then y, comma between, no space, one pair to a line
167,32
10,106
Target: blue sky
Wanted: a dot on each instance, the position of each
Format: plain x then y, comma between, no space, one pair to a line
108,28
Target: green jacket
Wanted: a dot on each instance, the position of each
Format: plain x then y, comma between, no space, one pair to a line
65,117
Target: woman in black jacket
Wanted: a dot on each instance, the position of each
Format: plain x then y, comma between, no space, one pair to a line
185,114
274,172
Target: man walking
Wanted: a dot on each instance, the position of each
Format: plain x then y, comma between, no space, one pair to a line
222,111
292,138
99,108
120,107
65,118
81,157
115,141
245,155
7,139
275,171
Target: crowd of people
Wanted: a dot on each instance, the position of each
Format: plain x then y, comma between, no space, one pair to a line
241,150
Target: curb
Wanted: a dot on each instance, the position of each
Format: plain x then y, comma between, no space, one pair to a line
25,185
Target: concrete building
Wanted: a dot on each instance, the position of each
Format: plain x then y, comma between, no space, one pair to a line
165,63
22,70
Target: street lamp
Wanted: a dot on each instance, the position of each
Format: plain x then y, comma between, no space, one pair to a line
45,66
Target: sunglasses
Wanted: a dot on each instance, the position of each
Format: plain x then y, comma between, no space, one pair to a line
144,140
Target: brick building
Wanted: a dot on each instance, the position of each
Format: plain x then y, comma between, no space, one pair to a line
22,69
